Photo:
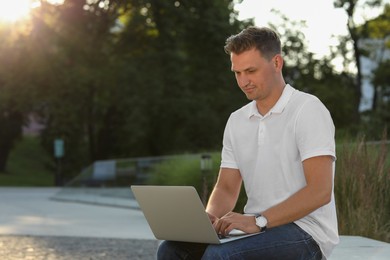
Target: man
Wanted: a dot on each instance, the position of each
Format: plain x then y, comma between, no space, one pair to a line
281,147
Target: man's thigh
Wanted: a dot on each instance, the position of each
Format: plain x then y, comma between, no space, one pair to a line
284,242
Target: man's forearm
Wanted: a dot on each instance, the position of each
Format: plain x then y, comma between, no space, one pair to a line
297,206
225,193
220,202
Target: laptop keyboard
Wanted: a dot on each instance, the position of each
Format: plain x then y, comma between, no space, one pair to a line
220,236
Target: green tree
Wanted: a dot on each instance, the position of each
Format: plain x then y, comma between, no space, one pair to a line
355,35
133,79
184,86
74,43
15,87
315,76
377,31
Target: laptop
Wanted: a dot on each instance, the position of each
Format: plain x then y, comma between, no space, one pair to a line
176,213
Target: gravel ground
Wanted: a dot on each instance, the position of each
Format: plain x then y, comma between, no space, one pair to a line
75,248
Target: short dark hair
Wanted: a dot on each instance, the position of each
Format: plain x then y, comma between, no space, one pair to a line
263,39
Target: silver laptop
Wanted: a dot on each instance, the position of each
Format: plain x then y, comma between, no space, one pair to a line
176,213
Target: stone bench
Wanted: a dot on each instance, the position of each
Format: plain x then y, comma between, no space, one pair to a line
360,248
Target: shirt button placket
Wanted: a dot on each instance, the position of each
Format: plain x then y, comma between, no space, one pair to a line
261,133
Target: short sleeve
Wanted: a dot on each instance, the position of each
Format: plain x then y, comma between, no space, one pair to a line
315,130
228,156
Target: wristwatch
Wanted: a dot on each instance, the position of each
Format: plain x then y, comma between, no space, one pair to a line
261,222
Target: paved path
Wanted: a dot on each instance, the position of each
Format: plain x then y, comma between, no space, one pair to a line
29,211
35,226
75,248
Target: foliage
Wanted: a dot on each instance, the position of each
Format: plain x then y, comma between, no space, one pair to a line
377,28
178,92
378,31
120,79
14,89
304,72
362,189
352,39
27,165
130,78
185,170
74,79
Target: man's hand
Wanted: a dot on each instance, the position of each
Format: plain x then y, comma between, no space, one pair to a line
212,217
234,220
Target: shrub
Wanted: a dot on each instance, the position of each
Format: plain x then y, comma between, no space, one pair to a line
185,170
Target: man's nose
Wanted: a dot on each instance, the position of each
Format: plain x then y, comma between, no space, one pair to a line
242,81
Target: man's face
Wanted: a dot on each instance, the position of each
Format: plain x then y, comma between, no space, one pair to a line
255,75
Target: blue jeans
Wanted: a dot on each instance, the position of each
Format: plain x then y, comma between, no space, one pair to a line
283,242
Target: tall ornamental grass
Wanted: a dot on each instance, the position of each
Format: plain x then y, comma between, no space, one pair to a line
362,189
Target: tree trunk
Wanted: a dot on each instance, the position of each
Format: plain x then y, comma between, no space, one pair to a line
10,130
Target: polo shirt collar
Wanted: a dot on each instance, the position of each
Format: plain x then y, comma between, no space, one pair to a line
278,107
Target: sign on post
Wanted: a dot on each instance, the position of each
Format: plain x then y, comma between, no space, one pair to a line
58,148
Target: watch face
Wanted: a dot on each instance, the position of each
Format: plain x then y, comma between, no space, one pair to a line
261,221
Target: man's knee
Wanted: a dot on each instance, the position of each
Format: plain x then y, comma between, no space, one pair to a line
164,250
169,250
213,253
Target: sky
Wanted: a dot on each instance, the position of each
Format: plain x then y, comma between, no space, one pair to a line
14,10
322,19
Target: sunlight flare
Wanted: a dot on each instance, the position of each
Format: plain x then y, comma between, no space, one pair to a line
11,11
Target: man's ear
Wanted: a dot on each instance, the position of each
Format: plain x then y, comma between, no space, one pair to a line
278,62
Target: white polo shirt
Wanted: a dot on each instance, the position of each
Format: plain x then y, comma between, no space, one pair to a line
269,151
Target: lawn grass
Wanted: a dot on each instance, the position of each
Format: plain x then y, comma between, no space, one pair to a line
27,165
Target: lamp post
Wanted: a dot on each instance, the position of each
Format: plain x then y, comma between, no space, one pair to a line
205,167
